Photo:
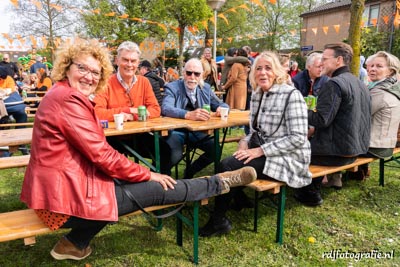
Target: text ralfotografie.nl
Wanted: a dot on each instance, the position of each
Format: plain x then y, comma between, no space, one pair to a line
373,254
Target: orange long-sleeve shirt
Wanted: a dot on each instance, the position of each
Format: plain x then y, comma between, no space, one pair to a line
115,100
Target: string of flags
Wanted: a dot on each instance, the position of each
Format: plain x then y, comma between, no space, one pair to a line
27,42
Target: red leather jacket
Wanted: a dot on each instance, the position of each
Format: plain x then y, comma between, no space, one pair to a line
72,166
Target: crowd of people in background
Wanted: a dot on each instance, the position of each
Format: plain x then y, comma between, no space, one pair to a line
352,116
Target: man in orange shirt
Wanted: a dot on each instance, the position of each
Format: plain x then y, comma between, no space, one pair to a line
126,91
124,94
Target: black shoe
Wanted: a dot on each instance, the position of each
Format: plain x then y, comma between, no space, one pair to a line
223,226
241,201
309,195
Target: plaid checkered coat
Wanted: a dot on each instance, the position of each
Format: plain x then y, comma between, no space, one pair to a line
288,151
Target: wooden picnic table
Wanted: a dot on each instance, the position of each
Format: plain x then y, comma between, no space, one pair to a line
159,126
212,126
33,99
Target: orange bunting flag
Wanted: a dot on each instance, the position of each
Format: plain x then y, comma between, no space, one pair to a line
244,6
303,30
209,42
201,42
96,11
191,29
15,3
293,32
212,20
205,25
230,39
162,26
219,40
111,14
37,4
385,19
10,40
137,19
325,29
56,7
315,30
374,21
6,35
336,27
124,16
33,40
258,2
272,2
233,10
44,41
224,18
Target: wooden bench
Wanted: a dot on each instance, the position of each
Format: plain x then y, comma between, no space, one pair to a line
275,187
382,163
25,224
14,162
231,139
16,124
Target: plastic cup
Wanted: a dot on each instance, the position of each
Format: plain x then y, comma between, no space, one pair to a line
119,121
224,113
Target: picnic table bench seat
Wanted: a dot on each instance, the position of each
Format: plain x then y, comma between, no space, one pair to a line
26,225
279,188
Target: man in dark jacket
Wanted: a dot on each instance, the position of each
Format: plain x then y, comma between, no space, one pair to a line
310,80
156,82
12,68
342,120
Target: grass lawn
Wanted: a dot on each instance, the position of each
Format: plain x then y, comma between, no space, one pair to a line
362,217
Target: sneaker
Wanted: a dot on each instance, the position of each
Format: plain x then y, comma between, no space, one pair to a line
213,228
309,195
334,181
65,250
236,178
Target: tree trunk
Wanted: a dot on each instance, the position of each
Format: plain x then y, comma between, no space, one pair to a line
356,11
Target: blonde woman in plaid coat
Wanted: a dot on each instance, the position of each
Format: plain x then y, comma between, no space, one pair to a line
285,154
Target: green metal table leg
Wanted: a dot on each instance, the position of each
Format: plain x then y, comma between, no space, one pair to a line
382,172
281,215
255,219
217,150
157,151
179,240
196,232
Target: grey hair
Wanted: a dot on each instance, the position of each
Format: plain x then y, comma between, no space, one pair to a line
130,46
197,62
311,59
207,49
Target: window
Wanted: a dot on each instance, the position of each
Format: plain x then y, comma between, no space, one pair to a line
370,16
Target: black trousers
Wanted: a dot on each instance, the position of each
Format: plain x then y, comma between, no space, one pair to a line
147,194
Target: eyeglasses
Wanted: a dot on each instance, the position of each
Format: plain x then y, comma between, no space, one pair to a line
84,70
190,73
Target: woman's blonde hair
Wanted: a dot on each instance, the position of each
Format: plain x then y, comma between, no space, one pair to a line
392,61
273,58
68,53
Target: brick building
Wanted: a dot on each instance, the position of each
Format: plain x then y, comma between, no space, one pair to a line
330,22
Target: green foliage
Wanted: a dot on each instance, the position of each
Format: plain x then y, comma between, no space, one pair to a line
171,56
372,41
395,49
